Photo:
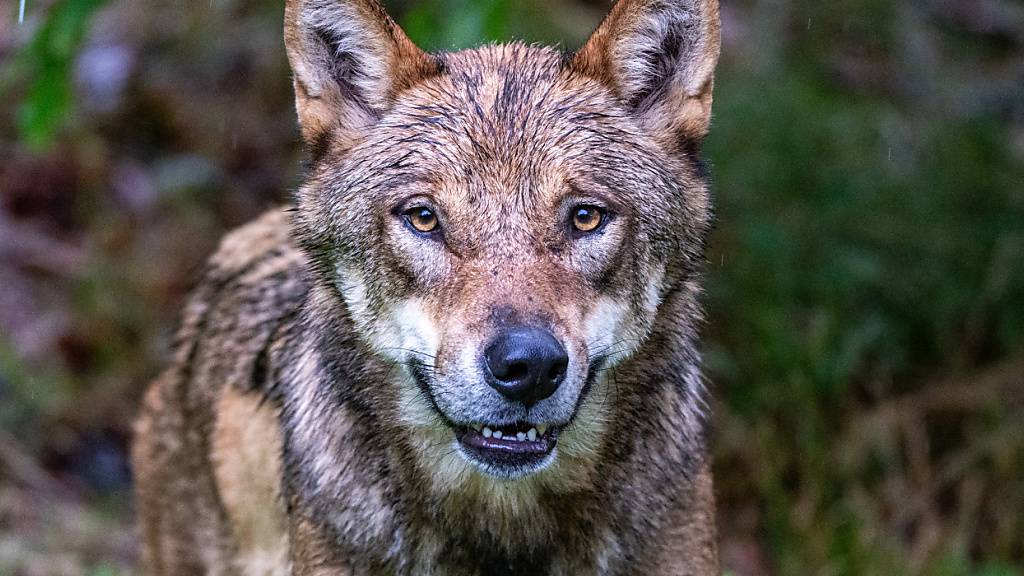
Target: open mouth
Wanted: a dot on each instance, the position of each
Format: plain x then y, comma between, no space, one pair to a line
507,449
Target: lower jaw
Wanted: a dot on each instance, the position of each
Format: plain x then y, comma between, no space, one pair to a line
505,469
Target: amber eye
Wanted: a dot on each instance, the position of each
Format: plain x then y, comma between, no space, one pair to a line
422,219
587,218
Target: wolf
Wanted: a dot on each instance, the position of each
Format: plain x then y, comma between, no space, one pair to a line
470,346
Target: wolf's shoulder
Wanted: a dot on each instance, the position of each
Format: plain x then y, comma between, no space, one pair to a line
256,271
247,300
268,237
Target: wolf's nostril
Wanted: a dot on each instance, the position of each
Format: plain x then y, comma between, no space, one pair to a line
557,371
516,371
526,364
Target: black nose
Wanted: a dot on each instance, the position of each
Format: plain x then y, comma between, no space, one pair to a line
526,364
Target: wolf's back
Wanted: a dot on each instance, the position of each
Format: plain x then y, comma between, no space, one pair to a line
233,331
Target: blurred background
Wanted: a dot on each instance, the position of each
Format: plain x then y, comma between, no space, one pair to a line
865,338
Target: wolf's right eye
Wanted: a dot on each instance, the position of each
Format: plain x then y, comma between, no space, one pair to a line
587,218
421,219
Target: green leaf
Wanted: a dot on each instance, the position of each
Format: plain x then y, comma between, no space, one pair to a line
46,64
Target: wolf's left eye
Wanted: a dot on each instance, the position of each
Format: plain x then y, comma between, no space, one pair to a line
587,218
421,219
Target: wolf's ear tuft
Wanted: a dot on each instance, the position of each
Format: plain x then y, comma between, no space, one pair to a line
659,57
349,60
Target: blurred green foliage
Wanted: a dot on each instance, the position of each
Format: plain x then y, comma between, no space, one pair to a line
848,264
865,280
47,62
453,24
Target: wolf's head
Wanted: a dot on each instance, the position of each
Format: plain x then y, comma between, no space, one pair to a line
504,224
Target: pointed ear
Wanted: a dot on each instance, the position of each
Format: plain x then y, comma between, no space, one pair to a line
659,57
349,60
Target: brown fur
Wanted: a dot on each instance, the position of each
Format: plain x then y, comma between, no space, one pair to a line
329,352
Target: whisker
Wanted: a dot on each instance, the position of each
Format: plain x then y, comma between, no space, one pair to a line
416,364
412,351
604,350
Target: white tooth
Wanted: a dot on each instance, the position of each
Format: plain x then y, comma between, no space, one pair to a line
497,434
487,432
541,429
520,436
532,434
476,427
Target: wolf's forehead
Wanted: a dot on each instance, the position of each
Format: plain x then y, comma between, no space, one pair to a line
506,114
507,97
513,70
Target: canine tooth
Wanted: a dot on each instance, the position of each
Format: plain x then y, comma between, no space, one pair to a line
497,434
532,434
541,429
487,432
520,436
476,427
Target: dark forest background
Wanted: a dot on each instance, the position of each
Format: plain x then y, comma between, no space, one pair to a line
865,338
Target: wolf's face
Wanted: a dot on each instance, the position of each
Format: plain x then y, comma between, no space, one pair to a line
502,224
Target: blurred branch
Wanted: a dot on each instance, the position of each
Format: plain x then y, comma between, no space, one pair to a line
999,384
23,469
928,476
1004,381
25,247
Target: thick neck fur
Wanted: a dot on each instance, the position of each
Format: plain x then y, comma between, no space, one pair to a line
351,468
